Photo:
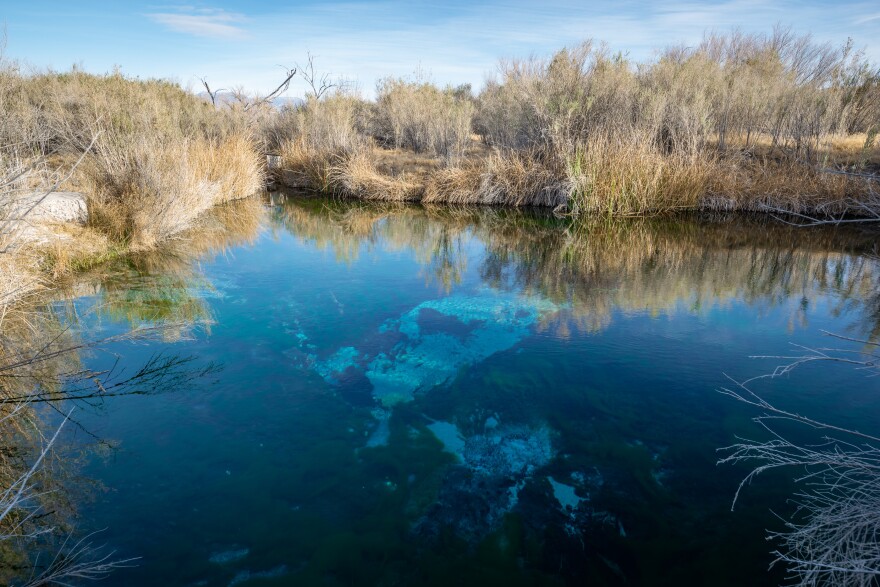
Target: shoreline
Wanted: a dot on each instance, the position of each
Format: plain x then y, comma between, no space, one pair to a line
375,177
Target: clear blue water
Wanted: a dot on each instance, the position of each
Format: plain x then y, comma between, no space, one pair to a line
425,397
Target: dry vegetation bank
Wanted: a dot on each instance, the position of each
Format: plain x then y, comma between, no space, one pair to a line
749,122
738,122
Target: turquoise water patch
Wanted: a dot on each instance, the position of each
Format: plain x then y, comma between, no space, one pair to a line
448,434
511,451
335,365
565,494
476,327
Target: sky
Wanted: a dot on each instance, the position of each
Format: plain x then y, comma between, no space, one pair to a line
248,43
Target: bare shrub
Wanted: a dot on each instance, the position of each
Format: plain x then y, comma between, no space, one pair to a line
335,123
832,538
555,103
320,134
736,121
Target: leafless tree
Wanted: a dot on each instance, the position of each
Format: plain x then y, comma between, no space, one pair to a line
319,83
247,101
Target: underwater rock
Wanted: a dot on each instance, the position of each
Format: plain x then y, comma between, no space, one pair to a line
243,576
335,365
448,434
494,467
228,556
509,451
494,322
432,342
382,432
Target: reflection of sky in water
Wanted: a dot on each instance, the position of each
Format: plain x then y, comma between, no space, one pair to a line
439,337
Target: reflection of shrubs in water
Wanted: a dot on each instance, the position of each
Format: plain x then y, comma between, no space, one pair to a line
160,295
165,286
644,265
40,367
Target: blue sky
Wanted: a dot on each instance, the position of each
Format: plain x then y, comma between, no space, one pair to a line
242,43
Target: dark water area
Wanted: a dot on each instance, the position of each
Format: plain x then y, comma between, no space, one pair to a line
415,396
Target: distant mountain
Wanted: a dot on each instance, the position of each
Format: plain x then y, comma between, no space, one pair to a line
279,102
282,101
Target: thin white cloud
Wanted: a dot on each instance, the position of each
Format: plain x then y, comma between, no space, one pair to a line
366,41
867,19
202,22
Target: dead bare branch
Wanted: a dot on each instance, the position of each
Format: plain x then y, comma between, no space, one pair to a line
832,537
319,83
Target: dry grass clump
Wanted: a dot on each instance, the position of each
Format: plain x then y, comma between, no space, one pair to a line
155,156
74,250
510,178
234,164
358,176
19,279
320,135
143,193
761,185
306,167
635,179
335,123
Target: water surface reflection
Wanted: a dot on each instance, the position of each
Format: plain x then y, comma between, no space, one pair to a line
420,396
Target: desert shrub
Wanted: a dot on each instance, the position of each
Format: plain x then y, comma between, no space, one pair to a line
358,176
335,123
555,103
155,155
146,191
319,134
747,118
416,115
516,178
